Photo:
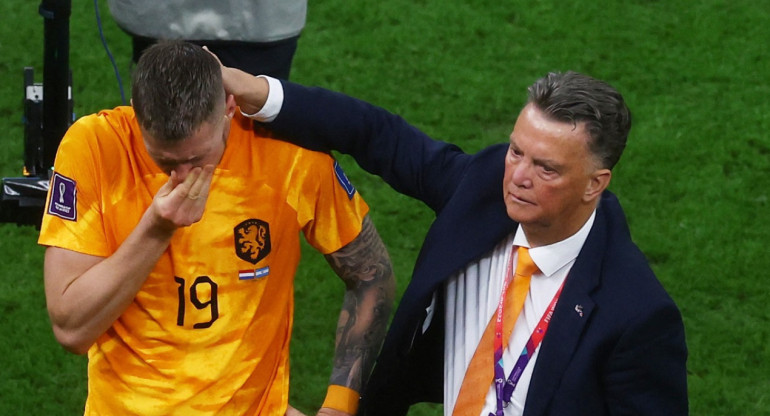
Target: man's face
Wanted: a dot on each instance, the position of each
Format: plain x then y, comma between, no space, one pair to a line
204,147
550,177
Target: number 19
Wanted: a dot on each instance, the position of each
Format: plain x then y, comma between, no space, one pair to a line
212,303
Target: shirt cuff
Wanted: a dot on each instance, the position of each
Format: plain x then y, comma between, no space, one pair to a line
273,103
341,398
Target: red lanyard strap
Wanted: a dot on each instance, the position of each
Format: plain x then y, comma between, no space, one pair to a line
504,387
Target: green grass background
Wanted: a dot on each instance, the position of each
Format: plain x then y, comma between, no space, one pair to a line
694,179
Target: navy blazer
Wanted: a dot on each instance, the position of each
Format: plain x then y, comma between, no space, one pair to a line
616,344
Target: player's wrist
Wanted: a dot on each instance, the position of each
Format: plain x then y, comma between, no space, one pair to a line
156,225
341,398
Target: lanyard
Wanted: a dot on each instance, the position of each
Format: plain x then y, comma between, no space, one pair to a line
504,388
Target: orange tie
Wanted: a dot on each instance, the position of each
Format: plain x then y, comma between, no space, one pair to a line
478,376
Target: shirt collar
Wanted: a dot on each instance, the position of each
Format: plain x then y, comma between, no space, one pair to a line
551,258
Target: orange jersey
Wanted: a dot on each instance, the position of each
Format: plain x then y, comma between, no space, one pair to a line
209,330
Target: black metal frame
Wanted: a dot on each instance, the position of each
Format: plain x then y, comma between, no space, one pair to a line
48,113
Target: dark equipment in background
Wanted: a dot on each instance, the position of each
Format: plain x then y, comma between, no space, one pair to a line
48,113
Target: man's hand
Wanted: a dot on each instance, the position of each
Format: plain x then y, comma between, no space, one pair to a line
250,92
181,203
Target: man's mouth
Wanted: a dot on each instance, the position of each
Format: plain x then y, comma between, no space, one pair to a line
518,199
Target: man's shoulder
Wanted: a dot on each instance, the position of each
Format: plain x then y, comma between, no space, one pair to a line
626,267
118,122
271,150
120,114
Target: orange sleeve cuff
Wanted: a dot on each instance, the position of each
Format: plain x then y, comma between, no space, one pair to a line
342,399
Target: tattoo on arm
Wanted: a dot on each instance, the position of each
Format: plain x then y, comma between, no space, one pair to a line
365,267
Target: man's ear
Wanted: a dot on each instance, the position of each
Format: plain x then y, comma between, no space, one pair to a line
599,181
230,106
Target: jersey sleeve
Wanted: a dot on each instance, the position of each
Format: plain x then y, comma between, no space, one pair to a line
72,218
330,209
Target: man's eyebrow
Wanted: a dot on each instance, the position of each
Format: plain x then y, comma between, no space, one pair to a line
177,161
552,164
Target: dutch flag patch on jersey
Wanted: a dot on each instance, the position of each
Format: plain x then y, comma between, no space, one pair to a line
253,274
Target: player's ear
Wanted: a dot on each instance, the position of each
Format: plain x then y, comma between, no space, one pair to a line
230,106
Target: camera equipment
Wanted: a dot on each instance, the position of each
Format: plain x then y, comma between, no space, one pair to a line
48,113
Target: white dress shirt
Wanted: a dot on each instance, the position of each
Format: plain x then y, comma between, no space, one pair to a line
472,298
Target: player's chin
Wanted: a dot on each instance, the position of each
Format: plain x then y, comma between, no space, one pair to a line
518,212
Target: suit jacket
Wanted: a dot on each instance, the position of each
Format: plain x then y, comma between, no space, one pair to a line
616,343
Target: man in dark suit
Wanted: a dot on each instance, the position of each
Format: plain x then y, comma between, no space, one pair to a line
615,344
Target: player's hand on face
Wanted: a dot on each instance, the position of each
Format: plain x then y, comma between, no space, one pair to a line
181,203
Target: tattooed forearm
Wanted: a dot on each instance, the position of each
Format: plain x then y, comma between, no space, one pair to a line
364,266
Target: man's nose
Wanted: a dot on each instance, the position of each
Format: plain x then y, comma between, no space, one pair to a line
182,170
522,174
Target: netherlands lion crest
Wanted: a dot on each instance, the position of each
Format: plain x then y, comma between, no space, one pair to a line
252,240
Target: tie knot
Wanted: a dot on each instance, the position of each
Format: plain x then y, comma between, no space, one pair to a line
525,266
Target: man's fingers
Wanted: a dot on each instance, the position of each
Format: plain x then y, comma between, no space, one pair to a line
185,189
170,185
200,186
178,190
206,48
